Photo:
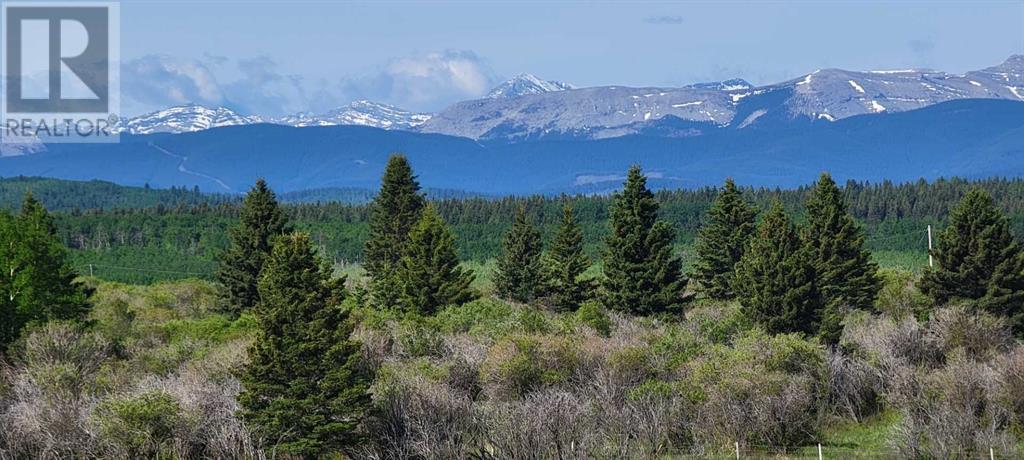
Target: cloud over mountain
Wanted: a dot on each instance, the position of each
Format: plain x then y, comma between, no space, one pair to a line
157,80
423,82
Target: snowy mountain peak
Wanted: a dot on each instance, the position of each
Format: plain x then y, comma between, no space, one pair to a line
826,94
525,84
361,113
185,119
1015,60
733,84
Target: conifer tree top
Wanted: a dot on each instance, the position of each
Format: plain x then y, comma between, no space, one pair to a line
636,201
722,240
395,210
34,211
642,275
398,176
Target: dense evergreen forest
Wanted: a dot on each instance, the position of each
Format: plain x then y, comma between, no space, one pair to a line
139,235
66,195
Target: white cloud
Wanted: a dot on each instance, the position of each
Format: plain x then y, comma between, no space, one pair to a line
426,82
156,81
263,89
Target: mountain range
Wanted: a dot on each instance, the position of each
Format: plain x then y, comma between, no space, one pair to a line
528,107
536,136
827,95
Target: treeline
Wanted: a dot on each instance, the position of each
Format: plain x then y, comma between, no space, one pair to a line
186,238
65,195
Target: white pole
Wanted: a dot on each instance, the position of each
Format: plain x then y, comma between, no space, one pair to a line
90,269
991,453
931,263
819,452
737,450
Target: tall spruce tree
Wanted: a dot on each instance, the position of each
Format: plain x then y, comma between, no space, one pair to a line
847,278
519,275
429,273
304,387
394,212
565,263
775,279
37,283
261,221
642,276
722,241
977,259
10,321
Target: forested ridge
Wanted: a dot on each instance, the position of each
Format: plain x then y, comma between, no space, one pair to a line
142,241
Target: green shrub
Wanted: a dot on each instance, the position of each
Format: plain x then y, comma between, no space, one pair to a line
719,321
397,373
653,388
164,359
215,329
632,364
762,390
116,321
378,319
141,425
518,365
493,319
676,345
594,315
899,296
191,298
418,336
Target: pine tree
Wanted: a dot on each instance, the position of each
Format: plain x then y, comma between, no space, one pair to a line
775,279
722,241
394,212
565,263
847,278
429,273
260,223
641,274
304,387
978,259
519,276
36,280
10,321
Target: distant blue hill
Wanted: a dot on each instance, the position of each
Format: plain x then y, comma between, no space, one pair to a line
970,138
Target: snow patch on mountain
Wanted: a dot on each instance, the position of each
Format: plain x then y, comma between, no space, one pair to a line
191,118
360,113
526,84
185,119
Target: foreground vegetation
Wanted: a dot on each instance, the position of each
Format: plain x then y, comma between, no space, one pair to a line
788,336
156,375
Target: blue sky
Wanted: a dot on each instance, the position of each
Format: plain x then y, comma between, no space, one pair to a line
276,57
